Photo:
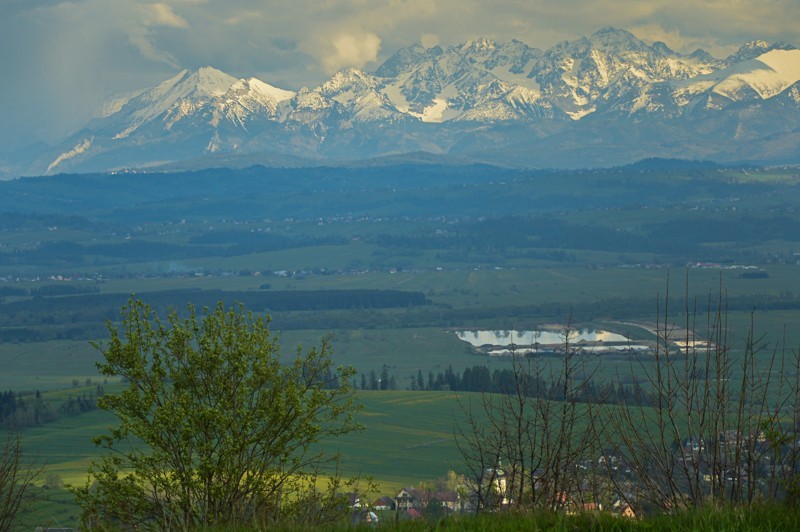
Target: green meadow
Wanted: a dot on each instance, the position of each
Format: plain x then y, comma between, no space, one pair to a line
407,439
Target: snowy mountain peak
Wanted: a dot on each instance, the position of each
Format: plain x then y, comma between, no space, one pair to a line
753,49
204,83
209,81
406,59
702,55
612,34
480,96
611,31
347,84
768,75
614,39
207,94
760,78
348,77
482,44
258,88
661,48
757,45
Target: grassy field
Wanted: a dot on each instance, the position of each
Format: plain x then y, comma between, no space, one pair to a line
46,365
408,438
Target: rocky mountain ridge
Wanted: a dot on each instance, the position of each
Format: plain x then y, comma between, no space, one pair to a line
605,99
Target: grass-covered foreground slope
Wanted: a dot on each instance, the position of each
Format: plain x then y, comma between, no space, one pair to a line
756,518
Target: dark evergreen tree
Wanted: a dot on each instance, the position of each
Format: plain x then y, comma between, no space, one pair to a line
384,383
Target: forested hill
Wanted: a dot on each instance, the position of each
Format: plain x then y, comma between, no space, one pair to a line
385,188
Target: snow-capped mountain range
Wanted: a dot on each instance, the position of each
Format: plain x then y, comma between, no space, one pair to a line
600,100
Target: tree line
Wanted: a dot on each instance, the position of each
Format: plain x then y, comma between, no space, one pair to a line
81,316
482,379
679,236
29,409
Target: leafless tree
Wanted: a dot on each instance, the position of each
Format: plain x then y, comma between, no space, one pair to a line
521,445
16,478
703,435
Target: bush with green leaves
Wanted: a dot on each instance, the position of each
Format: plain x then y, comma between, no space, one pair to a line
214,430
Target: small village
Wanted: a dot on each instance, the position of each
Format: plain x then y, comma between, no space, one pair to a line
607,484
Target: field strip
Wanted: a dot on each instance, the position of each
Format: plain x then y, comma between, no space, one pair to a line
426,444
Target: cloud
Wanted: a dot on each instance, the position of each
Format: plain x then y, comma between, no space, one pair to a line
348,49
141,31
676,40
429,40
242,17
350,32
161,14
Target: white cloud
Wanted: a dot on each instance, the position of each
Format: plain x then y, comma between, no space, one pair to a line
140,31
348,49
676,40
429,40
243,17
161,14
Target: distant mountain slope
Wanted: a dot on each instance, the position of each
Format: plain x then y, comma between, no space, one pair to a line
607,99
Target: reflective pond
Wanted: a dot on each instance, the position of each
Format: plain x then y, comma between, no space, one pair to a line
505,343
544,337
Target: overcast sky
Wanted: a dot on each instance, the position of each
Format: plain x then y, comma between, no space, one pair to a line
61,59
